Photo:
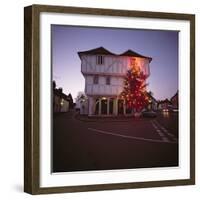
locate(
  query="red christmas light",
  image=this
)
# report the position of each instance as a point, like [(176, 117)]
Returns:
[(134, 91)]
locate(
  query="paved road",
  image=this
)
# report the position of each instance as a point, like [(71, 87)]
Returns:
[(114, 144)]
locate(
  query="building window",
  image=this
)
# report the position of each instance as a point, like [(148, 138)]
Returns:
[(100, 60), (96, 80), (108, 80)]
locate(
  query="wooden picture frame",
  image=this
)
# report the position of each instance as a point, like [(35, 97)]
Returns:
[(32, 97)]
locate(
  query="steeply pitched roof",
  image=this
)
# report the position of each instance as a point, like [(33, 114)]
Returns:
[(99, 50), (103, 51), (150, 96), (165, 101), (174, 95), (59, 93), (134, 54)]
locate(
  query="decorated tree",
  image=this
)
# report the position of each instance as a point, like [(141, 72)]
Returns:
[(134, 92)]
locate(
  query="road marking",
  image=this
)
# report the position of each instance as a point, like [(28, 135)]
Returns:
[(160, 133), (130, 137), (165, 130)]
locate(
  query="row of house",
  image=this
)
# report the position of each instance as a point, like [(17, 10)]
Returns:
[(61, 101), (163, 104)]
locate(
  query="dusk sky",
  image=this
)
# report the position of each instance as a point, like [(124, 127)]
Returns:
[(162, 46)]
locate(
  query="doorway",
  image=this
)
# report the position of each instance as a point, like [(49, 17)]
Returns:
[(104, 106)]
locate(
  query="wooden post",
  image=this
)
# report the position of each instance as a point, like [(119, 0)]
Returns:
[(108, 106), (115, 104), (91, 103), (99, 106)]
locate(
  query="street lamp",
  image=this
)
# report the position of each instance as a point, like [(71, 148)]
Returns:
[(62, 102)]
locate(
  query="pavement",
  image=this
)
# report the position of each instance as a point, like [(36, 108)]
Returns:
[(118, 143)]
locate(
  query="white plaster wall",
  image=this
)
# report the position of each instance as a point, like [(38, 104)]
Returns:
[(112, 64), (115, 87)]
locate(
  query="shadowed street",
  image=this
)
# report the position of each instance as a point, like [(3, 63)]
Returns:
[(104, 144)]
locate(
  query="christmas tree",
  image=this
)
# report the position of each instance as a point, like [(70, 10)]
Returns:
[(134, 92)]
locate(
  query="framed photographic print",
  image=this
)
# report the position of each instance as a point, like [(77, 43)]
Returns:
[(109, 99)]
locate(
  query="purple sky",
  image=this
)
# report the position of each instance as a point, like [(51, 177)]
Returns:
[(162, 46)]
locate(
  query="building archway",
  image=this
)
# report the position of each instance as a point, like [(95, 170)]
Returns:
[(120, 107), (104, 105), (111, 104)]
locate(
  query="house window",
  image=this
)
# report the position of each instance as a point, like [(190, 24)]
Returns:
[(100, 60), (96, 80), (108, 80)]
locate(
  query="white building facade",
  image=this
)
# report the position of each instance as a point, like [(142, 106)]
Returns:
[(104, 74)]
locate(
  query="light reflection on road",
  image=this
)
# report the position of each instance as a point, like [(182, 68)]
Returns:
[(165, 114)]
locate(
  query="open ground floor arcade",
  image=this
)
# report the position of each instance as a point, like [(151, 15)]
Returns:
[(107, 106)]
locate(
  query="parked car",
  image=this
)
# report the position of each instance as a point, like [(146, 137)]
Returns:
[(149, 113), (165, 110), (170, 109), (175, 110)]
